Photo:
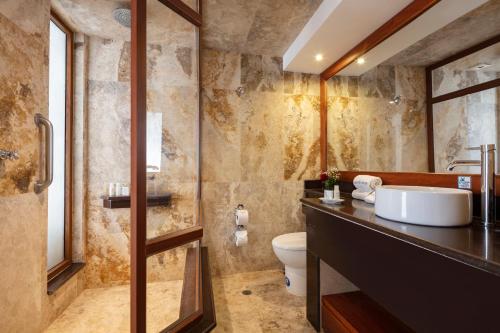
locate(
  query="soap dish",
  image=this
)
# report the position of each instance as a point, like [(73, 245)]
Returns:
[(331, 201)]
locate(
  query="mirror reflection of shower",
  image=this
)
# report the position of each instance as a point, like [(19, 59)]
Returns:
[(396, 100), (240, 91), (123, 15)]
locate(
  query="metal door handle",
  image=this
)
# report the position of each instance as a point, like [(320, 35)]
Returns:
[(48, 176)]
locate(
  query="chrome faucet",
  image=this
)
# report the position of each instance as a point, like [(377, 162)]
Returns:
[(487, 164)]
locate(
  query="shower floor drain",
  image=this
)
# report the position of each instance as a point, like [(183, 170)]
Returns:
[(246, 292)]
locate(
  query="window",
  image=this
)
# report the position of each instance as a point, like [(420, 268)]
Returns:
[(60, 115)]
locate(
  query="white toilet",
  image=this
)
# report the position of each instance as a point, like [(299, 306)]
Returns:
[(291, 251)]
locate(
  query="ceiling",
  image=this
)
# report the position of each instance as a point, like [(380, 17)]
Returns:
[(336, 27), (407, 41), (476, 26), (259, 27)]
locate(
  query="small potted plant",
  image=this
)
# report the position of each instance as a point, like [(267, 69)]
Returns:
[(331, 179)]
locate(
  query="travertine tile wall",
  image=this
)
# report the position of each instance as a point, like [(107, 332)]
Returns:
[(257, 149), (365, 132), (24, 305)]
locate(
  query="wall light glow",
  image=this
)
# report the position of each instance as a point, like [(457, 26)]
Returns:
[(318, 57), (360, 61)]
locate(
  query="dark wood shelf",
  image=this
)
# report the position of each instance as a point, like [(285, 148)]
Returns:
[(355, 312), (124, 202)]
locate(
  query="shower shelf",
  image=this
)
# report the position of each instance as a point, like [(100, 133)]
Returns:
[(124, 201)]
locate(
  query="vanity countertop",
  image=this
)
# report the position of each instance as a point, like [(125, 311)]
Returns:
[(472, 245)]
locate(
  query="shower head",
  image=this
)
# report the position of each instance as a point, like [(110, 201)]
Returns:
[(123, 16)]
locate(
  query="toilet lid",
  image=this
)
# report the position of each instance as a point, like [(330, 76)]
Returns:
[(294, 242)]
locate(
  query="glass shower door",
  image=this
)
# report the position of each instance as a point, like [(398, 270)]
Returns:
[(166, 275)]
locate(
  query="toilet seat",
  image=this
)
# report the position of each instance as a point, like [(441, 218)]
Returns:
[(295, 241)]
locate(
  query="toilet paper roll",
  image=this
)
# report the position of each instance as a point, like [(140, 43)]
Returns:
[(241, 217), (241, 237)]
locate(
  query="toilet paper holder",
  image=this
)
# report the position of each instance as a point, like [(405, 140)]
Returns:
[(239, 207)]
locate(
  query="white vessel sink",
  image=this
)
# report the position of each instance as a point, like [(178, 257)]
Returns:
[(433, 206)]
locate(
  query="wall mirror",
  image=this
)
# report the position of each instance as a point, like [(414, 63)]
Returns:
[(419, 99), (154, 141)]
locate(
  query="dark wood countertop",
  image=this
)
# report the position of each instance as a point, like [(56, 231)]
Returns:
[(472, 245)]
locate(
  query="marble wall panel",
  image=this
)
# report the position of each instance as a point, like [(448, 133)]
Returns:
[(23, 76), (257, 149)]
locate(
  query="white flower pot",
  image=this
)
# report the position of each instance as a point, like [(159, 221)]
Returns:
[(328, 194)]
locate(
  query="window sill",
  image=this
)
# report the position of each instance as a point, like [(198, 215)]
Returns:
[(62, 278)]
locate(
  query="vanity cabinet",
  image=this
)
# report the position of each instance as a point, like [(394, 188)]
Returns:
[(432, 279)]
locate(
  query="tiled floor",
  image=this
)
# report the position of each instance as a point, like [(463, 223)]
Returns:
[(107, 310), (269, 308)]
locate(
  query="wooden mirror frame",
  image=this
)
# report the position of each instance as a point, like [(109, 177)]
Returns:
[(396, 23)]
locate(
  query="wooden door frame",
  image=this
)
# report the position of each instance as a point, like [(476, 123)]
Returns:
[(141, 247), (389, 28)]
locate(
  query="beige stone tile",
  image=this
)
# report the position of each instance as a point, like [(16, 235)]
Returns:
[(221, 70), (261, 139), (270, 308), (107, 310), (221, 135), (301, 154)]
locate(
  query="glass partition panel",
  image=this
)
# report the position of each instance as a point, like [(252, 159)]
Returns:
[(172, 106), (171, 286)]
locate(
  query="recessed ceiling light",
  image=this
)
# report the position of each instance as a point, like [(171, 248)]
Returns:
[(360, 61), (318, 57)]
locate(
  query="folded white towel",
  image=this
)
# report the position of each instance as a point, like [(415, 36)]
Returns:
[(366, 183), (357, 194), (370, 198)]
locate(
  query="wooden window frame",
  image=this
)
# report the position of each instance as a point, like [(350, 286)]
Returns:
[(68, 174), (431, 100)]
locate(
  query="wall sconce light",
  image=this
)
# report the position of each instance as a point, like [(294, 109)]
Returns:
[(360, 61)]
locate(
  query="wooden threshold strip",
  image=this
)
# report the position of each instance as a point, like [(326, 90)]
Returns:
[(173, 239)]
